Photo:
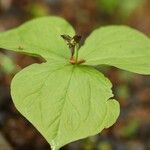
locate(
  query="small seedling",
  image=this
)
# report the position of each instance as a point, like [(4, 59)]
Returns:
[(66, 98)]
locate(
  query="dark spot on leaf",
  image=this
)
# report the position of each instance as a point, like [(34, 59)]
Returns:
[(20, 48)]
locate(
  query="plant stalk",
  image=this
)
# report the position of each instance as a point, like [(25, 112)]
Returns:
[(76, 54)]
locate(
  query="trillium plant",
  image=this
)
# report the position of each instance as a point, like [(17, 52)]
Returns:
[(66, 98)]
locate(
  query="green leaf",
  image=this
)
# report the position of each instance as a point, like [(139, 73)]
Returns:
[(41, 37), (64, 102), (118, 46)]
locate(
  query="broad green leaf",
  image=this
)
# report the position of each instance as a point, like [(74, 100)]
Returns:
[(41, 37), (118, 46), (64, 102)]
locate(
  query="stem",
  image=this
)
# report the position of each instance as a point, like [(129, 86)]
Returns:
[(76, 54), (54, 148)]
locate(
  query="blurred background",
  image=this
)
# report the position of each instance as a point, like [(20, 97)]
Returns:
[(132, 130)]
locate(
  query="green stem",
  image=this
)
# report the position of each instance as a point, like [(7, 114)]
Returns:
[(76, 54), (53, 148)]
